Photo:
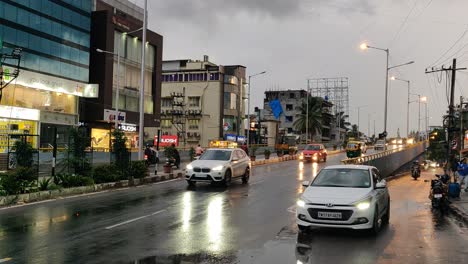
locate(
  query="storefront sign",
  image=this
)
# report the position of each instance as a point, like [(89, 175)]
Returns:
[(19, 113), (128, 127), (232, 137), (55, 84), (167, 140), (110, 116)]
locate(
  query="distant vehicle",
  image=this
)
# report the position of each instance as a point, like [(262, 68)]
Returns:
[(344, 196), (353, 149), (219, 165), (379, 145), (314, 152)]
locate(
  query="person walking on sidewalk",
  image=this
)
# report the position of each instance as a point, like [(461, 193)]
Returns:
[(463, 174)]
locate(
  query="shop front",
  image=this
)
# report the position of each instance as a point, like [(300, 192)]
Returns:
[(16, 122), (131, 133)]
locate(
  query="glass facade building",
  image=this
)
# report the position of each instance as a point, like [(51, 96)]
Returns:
[(54, 35)]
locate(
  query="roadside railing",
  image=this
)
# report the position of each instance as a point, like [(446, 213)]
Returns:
[(364, 159)]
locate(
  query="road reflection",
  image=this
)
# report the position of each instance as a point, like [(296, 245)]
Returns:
[(214, 223), (186, 211), (314, 169)]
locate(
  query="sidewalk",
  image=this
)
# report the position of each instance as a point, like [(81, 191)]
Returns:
[(459, 207)]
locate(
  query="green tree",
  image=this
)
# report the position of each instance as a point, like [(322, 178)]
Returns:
[(77, 157), (437, 149), (120, 150), (314, 115), (24, 153), (342, 118)]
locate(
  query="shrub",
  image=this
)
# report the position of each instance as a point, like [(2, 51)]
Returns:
[(8, 183), (44, 184), (68, 180), (24, 153), (119, 150), (137, 169), (266, 152), (107, 173)]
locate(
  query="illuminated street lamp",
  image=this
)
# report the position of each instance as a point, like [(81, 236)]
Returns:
[(364, 46)]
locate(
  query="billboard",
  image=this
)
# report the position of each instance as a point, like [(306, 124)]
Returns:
[(167, 140)]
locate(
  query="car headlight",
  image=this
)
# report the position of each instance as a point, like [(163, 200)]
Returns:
[(300, 203), (363, 205), (218, 168), (189, 167)]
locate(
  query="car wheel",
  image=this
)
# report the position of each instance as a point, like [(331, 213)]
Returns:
[(227, 178), (246, 176), (191, 183), (377, 222), (386, 219), (303, 228)]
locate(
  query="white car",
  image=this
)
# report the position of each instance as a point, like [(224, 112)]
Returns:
[(344, 196), (379, 145), (219, 165)]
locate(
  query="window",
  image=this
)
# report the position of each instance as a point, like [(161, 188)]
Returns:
[(289, 119), (194, 101), (289, 107), (292, 95), (230, 101), (166, 102), (375, 177), (214, 76), (166, 123), (193, 123), (290, 130)]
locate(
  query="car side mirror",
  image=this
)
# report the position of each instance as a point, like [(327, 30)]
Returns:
[(381, 184), (306, 183)]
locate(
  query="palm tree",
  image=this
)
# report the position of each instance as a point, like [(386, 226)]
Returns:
[(315, 116), (342, 118)]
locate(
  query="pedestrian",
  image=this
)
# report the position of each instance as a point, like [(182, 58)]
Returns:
[(198, 150), (454, 167), (462, 173), (176, 156)]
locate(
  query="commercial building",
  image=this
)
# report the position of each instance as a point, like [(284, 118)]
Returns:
[(115, 30), (202, 101), (54, 37), (290, 101)]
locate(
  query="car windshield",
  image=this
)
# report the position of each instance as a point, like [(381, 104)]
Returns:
[(352, 145), (351, 178), (312, 147), (216, 154)]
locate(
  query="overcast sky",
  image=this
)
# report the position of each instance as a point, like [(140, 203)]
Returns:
[(298, 39)]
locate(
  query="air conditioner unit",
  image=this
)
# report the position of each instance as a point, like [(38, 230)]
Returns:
[(197, 134), (189, 134)]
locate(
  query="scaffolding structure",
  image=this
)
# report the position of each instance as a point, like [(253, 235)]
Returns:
[(334, 90)]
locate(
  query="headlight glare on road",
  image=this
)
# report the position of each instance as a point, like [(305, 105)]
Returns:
[(300, 203), (218, 168), (189, 167), (363, 205)]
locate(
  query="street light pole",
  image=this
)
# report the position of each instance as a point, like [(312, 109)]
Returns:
[(365, 46), (307, 112), (142, 86), (248, 107), (408, 105)]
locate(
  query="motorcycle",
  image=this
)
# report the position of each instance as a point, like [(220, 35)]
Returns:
[(439, 191), (172, 162), (415, 172)]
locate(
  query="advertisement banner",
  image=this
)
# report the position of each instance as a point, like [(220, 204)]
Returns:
[(167, 140), (110, 116)]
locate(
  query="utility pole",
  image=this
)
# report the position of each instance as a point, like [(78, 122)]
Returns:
[(450, 124), (462, 134)]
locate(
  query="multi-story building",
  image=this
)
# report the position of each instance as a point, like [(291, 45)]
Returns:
[(116, 32), (54, 68), (202, 101), (290, 101)]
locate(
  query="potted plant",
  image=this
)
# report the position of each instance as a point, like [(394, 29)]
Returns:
[(253, 149), (334, 147), (279, 152), (267, 153), (192, 154)]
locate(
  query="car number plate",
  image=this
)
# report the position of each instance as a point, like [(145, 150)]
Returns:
[(437, 195), (201, 176), (331, 215)]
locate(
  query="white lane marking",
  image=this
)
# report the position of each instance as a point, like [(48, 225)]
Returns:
[(292, 209), (134, 219)]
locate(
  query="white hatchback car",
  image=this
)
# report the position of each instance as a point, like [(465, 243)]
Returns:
[(219, 165), (345, 196)]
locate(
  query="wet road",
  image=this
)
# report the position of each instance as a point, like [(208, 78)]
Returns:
[(168, 223)]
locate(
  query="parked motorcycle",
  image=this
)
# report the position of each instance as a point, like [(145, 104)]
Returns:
[(439, 191), (172, 162)]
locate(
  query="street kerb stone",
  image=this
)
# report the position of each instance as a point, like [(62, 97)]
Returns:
[(34, 196), (162, 178), (459, 213)]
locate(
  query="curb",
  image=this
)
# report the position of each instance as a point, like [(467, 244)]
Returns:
[(30, 198)]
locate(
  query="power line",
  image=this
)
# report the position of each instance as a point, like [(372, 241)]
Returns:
[(402, 25), (451, 47)]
